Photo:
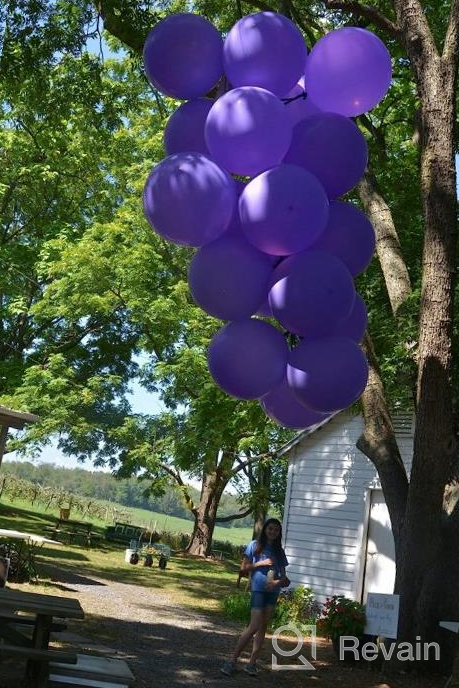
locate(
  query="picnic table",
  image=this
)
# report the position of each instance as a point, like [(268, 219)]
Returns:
[(22, 556), (72, 530), (21, 610)]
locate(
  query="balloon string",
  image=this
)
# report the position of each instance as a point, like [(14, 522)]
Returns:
[(302, 95)]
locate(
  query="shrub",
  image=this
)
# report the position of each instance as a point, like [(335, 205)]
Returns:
[(228, 548), (237, 606), (176, 541), (296, 606), (341, 616)]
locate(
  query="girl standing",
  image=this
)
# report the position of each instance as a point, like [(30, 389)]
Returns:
[(265, 560)]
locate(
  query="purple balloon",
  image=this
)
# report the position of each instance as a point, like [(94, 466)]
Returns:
[(188, 199), (248, 131), (229, 278), (185, 129), (332, 148), (264, 49), (354, 326), (283, 407), (247, 358), (349, 235), (283, 210), (301, 106), (327, 374), (311, 292), (183, 56), (348, 71)]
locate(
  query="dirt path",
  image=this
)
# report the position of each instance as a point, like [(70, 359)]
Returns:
[(170, 646)]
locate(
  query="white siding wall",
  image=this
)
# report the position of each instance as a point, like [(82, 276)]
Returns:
[(327, 502)]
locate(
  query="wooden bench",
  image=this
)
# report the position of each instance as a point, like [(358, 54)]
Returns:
[(91, 671), (72, 530), (33, 653), (28, 620)]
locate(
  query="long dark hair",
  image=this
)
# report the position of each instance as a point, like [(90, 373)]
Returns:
[(263, 539)]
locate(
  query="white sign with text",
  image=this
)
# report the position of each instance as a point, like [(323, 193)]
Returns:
[(382, 614)]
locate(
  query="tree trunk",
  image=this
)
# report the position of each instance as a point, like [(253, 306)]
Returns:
[(217, 473), (422, 543), (206, 513), (261, 505)]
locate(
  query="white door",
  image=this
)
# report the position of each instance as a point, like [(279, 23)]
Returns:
[(380, 554)]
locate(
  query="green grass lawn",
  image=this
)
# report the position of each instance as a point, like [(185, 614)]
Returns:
[(193, 581), (142, 517)]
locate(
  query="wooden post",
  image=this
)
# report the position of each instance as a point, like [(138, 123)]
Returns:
[(3, 436)]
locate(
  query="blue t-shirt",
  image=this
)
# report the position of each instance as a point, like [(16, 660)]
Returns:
[(258, 578)]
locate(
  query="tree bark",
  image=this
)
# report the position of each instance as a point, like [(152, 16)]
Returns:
[(393, 266), (201, 540)]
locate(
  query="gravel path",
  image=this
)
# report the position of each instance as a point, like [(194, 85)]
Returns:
[(172, 646), (166, 645)]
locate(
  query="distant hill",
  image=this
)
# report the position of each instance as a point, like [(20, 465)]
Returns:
[(130, 492)]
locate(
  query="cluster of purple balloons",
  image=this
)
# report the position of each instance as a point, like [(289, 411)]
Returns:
[(253, 179)]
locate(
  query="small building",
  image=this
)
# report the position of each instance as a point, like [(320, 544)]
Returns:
[(336, 529), (12, 419)]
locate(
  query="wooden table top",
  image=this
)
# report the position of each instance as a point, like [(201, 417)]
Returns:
[(29, 537), (48, 605)]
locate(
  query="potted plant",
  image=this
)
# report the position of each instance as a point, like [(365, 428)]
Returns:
[(342, 616)]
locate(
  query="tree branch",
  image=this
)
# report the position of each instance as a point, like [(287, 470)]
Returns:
[(450, 48), (379, 444), (234, 516), (178, 478), (130, 25), (388, 247), (416, 35), (253, 459), (372, 14)]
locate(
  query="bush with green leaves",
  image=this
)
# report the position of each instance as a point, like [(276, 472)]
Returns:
[(237, 606), (341, 616), (295, 606)]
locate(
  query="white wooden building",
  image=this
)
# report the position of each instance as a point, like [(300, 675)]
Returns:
[(336, 528)]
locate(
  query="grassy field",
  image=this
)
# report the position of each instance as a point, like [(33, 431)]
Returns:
[(193, 581), (142, 517)]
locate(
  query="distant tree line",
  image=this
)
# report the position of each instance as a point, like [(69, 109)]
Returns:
[(127, 491)]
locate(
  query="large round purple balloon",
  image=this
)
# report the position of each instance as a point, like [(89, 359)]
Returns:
[(352, 327), (355, 324), (229, 277), (248, 131), (332, 148), (283, 210), (264, 49), (327, 374), (348, 71), (298, 105), (283, 407), (247, 358), (311, 292), (348, 235), (185, 129), (183, 56), (188, 199)]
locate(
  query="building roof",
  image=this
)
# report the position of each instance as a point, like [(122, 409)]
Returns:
[(303, 434), (16, 419), (402, 421)]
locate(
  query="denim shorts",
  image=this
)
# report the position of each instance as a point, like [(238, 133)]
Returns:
[(259, 599)]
